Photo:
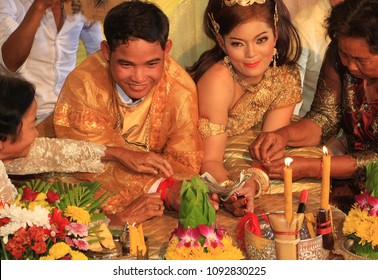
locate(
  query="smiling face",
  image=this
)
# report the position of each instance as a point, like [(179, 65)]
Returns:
[(27, 135), (136, 66), (356, 55), (250, 48)]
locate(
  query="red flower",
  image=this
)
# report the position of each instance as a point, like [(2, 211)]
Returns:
[(39, 247), (52, 196), (58, 223), (28, 194), (4, 221)]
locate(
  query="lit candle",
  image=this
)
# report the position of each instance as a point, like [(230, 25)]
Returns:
[(326, 178), (288, 190)]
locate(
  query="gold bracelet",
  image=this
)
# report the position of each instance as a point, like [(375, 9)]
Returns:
[(261, 178)]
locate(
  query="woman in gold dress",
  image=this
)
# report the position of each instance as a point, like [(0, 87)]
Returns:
[(247, 83), (345, 104)]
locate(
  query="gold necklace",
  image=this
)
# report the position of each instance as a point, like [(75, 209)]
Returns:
[(235, 77)]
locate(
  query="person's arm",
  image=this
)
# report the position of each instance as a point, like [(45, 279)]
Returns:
[(16, 48), (59, 155), (91, 35), (320, 123), (215, 98), (342, 167)]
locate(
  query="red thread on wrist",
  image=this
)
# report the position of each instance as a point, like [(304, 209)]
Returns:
[(163, 187), (261, 168)]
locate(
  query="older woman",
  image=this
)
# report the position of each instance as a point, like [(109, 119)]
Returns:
[(345, 103)]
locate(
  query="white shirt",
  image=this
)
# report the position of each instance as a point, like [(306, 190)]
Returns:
[(53, 55), (310, 23)]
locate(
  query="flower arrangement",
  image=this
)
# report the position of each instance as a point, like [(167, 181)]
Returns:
[(361, 224), (198, 236), (55, 221)]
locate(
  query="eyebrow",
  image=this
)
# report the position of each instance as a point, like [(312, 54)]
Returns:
[(258, 35), (146, 62)]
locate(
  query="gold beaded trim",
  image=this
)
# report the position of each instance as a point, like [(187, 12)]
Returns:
[(207, 129)]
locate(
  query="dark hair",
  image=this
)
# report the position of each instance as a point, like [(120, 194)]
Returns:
[(355, 18), (16, 96), (288, 43), (135, 19)]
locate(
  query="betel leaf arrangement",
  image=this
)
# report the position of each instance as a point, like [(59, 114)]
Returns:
[(198, 235), (361, 224)]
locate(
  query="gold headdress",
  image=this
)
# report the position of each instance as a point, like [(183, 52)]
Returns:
[(242, 2)]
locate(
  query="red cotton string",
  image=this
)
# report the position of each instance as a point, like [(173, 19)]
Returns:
[(162, 189)]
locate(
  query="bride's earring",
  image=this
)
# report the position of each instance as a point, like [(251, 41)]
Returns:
[(275, 57)]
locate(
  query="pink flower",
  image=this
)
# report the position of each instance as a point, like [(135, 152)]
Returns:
[(362, 201), (373, 202), (211, 237), (188, 237), (69, 241), (77, 229), (81, 244)]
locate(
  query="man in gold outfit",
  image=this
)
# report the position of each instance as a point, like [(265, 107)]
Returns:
[(133, 95)]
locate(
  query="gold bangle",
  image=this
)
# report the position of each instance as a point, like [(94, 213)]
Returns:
[(261, 178)]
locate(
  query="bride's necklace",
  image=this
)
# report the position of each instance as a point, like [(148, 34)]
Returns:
[(235, 77)]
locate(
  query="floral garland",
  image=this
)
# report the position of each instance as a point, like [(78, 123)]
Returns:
[(51, 221)]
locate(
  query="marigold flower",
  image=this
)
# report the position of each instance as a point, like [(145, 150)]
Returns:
[(76, 255), (78, 214), (59, 250)]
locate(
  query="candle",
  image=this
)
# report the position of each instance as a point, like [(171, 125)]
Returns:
[(326, 178), (288, 190)]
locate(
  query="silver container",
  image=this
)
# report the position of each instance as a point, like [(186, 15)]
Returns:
[(263, 247)]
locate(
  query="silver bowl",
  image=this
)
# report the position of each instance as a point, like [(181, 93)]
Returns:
[(263, 247), (344, 248)]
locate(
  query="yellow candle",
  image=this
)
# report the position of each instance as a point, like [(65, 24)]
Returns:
[(326, 178), (288, 190), (134, 238)]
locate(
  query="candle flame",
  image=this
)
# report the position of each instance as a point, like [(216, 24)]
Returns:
[(288, 161), (325, 151)]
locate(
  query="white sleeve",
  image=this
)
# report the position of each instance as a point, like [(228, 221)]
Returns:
[(7, 190), (59, 155), (91, 35)]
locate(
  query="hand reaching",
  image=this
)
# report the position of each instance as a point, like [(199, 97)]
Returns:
[(268, 146), (142, 162), (301, 167), (141, 209), (242, 202)]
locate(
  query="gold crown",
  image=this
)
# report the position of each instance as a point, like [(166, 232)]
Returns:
[(242, 2)]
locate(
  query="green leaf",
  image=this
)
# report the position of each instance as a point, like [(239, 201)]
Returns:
[(371, 184), (195, 207)]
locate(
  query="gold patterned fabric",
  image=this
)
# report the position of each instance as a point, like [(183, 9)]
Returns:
[(345, 106), (280, 87), (88, 109)]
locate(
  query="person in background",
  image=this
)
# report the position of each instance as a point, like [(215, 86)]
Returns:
[(39, 41), (134, 96), (310, 23), (248, 81), (345, 103)]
